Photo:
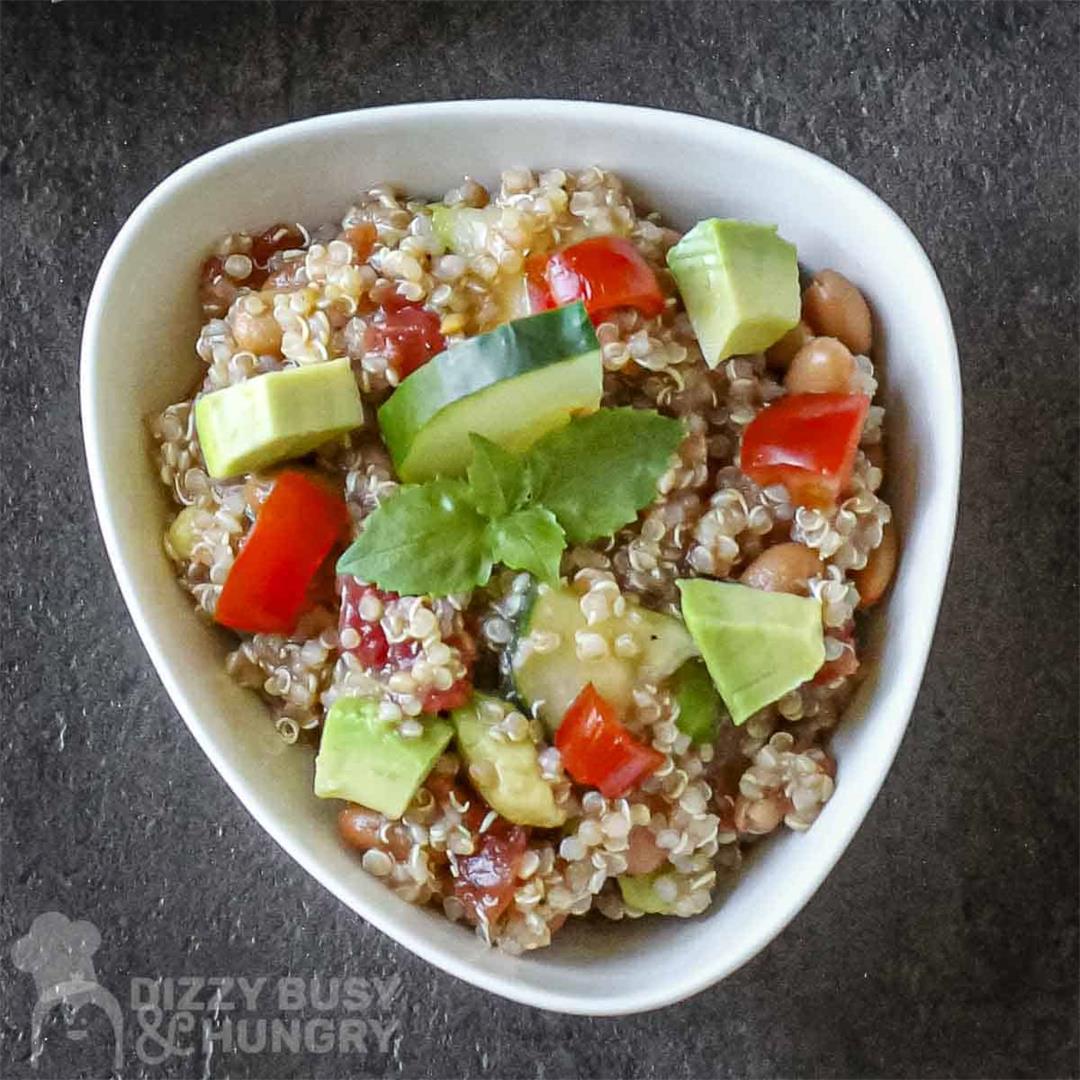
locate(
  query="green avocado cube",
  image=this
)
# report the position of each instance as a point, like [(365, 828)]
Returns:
[(740, 285), (507, 774), (276, 416), (757, 645), (364, 759)]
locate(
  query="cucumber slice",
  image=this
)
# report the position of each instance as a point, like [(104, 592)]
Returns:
[(512, 385), (548, 674), (463, 229), (507, 774)]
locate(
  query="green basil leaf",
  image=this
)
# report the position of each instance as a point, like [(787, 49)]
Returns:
[(425, 540), (529, 539), (596, 473), (499, 480)]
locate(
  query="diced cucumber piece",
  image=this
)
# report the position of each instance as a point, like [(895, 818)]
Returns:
[(512, 385), (507, 774), (740, 284), (637, 647), (463, 229), (639, 891), (757, 645), (364, 759), (276, 416)]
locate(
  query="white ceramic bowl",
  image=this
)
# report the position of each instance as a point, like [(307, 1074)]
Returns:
[(138, 356)]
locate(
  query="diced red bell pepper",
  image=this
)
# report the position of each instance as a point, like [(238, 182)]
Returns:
[(807, 442), (605, 272), (598, 751), (298, 525), (486, 880), (409, 336)]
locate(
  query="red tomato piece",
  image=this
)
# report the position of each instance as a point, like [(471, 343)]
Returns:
[(486, 879), (807, 442), (598, 751), (280, 237), (298, 525), (460, 692), (362, 239), (216, 289), (383, 657), (536, 286), (605, 272), (373, 649), (409, 336)]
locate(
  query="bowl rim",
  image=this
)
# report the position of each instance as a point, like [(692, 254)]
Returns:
[(622, 1001)]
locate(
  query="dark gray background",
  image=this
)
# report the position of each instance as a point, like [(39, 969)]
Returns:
[(945, 943)]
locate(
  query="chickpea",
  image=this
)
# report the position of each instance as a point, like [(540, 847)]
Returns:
[(835, 308), (873, 579), (783, 568), (758, 817), (783, 352), (822, 366), (253, 325)]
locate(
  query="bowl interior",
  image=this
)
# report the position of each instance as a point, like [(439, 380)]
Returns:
[(139, 356)]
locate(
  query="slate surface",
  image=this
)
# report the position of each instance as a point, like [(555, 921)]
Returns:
[(945, 943)]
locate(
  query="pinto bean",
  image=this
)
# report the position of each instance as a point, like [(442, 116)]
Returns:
[(873, 579), (835, 308), (361, 828)]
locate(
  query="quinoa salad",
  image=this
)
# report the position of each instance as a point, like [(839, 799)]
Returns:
[(549, 529)]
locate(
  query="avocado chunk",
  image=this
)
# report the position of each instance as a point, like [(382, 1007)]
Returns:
[(740, 284), (511, 385), (507, 774), (757, 645), (699, 703), (639, 646), (639, 891), (364, 759), (276, 416)]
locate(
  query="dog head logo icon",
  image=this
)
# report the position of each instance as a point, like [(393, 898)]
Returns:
[(58, 954)]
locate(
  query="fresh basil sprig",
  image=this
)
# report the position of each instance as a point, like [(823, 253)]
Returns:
[(576, 484)]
